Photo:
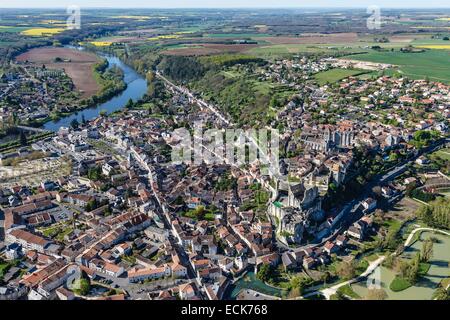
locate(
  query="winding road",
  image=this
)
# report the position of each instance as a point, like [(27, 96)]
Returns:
[(411, 235), (328, 292)]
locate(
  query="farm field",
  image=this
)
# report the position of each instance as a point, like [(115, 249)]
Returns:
[(288, 49), (206, 49), (342, 38), (12, 29), (79, 68), (38, 32), (435, 46), (431, 63), (235, 35)]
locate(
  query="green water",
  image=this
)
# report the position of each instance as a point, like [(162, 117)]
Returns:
[(425, 287), (249, 281)]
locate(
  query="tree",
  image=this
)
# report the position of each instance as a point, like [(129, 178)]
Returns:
[(264, 272), (441, 294), (346, 270), (338, 296), (83, 286), (427, 250), (401, 267), (74, 124), (376, 294), (91, 205), (326, 276), (129, 104), (377, 191), (199, 212), (413, 270), (294, 293), (23, 138), (378, 216)]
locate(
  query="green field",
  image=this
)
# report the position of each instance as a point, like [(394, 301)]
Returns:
[(335, 75), (13, 29), (287, 49), (235, 35), (444, 154), (432, 63)]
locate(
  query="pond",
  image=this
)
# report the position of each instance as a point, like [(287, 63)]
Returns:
[(425, 287), (249, 281)]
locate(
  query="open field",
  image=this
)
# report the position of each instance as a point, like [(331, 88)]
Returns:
[(39, 32), (119, 39), (335, 75), (343, 38), (208, 48), (235, 35), (101, 43), (79, 68), (435, 46), (431, 63), (33, 172), (12, 29), (444, 154)]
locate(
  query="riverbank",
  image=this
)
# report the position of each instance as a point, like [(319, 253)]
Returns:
[(136, 87), (109, 82)]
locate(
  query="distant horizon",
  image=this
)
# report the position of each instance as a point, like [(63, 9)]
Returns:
[(226, 8), (249, 7), (229, 4)]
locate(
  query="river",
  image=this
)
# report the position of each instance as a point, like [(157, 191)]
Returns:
[(136, 88)]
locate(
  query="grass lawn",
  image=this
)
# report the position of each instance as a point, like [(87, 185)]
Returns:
[(372, 257), (335, 75), (446, 282), (444, 154), (399, 284), (57, 232), (362, 266), (4, 268), (348, 291), (423, 268)]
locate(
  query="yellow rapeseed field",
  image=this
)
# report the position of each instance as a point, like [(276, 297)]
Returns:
[(52, 21), (101, 43), (170, 36), (42, 31), (132, 17), (435, 46)]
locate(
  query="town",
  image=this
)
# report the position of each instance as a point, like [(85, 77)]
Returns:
[(96, 209)]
